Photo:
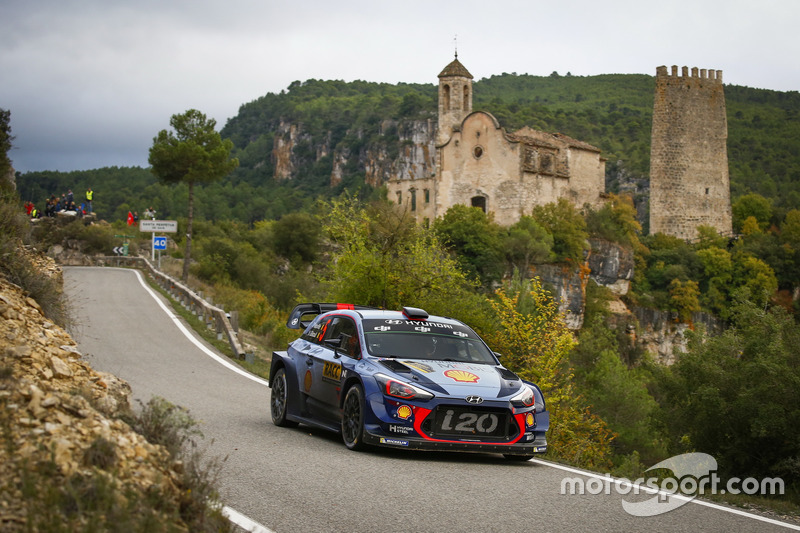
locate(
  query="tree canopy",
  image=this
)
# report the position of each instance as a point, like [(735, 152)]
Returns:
[(194, 152)]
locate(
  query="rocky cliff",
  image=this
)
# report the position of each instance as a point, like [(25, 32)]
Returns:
[(60, 425), (608, 264), (401, 149), (612, 266)]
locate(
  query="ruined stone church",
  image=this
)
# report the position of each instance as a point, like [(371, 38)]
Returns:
[(478, 163)]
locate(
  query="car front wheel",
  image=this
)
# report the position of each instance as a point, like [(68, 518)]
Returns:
[(279, 400), (353, 418)]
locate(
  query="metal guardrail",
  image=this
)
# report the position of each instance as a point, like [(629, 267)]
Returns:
[(213, 317)]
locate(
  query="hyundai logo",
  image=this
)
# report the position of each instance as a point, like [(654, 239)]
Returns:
[(474, 399)]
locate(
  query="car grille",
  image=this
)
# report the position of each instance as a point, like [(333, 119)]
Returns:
[(450, 422)]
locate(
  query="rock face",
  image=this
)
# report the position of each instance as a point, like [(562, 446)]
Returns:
[(54, 409), (660, 335), (607, 264), (569, 290), (611, 265), (403, 150)]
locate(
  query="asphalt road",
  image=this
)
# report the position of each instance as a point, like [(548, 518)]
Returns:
[(304, 480)]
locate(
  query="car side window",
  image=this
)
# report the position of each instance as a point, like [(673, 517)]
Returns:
[(345, 329), (316, 331)]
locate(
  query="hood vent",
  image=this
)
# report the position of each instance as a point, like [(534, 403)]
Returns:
[(507, 374), (395, 366)]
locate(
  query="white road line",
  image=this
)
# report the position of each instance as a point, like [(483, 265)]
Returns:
[(244, 522), (261, 529), (176, 319), (233, 515)]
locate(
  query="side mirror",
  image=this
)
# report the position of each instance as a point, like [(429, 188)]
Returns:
[(497, 355), (335, 344)]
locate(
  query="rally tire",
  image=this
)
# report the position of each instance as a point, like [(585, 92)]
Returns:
[(279, 400), (353, 409)]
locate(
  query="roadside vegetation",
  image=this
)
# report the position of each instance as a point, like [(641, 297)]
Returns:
[(614, 408)]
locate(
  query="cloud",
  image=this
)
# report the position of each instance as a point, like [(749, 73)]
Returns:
[(89, 83)]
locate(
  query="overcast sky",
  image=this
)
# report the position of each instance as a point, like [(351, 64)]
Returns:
[(90, 83)]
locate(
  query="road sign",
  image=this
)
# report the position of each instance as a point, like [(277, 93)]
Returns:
[(159, 243), (161, 226), (121, 250)]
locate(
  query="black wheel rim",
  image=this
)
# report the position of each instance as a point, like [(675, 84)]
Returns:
[(351, 417), (279, 396)]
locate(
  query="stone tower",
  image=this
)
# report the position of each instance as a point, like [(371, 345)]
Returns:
[(689, 180), (455, 98)]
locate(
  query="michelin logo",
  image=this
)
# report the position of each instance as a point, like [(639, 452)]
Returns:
[(394, 442)]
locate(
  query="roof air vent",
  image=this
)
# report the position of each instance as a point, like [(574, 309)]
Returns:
[(412, 313)]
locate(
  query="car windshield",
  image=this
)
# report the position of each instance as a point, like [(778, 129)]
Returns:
[(425, 340)]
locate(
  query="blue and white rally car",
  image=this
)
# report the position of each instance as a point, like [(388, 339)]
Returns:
[(403, 379)]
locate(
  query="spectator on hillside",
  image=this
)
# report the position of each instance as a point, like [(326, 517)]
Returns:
[(70, 197), (89, 198)]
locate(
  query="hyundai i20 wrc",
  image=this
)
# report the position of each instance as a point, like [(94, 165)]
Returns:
[(403, 379)]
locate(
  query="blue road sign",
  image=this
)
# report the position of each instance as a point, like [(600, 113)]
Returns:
[(159, 243)]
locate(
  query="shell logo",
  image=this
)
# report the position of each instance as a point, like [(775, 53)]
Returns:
[(462, 376), (404, 412), (529, 420)]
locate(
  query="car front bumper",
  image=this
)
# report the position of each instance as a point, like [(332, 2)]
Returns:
[(536, 447)]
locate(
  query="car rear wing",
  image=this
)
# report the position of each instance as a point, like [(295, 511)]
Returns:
[(303, 314)]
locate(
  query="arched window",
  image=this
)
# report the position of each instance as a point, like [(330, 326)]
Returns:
[(446, 97), (479, 202), (466, 98)]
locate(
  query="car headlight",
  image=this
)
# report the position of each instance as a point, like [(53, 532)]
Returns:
[(524, 398), (401, 389)]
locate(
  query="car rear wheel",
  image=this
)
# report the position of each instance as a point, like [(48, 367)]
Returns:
[(279, 400), (353, 418), (511, 457)]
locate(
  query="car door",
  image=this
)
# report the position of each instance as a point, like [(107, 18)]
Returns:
[(339, 345)]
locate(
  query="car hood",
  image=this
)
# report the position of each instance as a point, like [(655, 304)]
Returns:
[(458, 379)]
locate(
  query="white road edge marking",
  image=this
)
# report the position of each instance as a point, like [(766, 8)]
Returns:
[(233, 515), (261, 529), (242, 521), (651, 490), (194, 340)]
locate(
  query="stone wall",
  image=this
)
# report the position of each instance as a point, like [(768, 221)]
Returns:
[(689, 180)]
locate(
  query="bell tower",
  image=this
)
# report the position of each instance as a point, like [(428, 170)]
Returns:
[(455, 98)]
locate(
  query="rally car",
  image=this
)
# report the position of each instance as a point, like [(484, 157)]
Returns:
[(403, 379)]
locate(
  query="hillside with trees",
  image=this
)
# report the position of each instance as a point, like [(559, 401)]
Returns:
[(612, 112)]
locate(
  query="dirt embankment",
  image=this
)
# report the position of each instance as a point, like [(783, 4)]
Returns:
[(58, 416)]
